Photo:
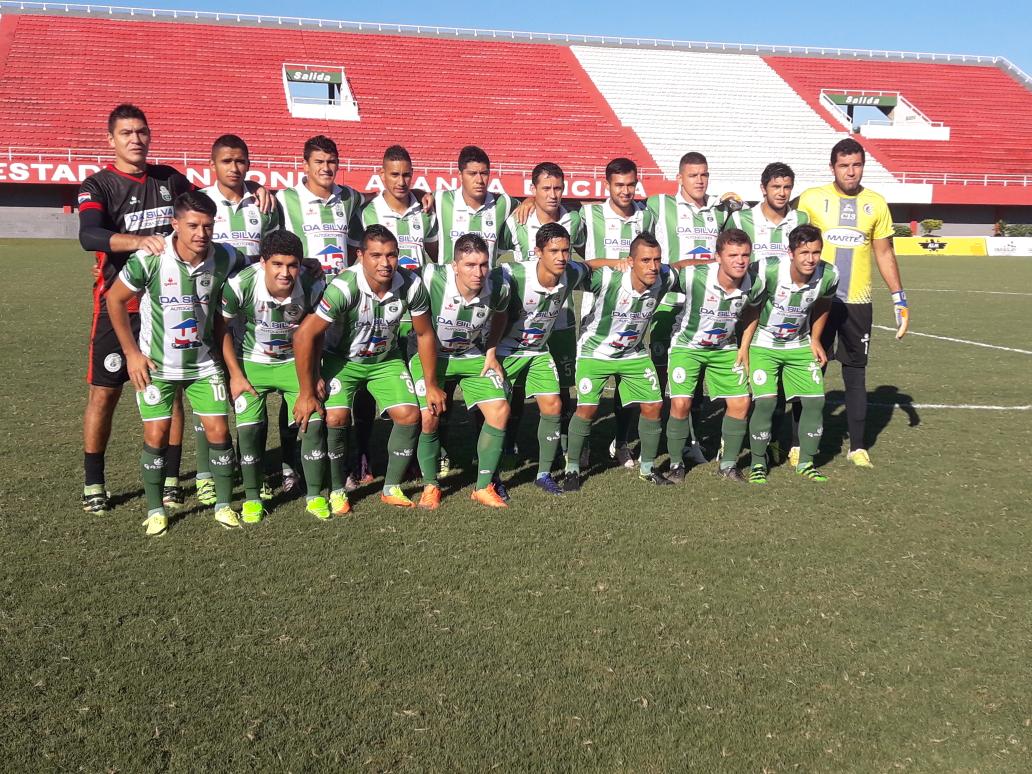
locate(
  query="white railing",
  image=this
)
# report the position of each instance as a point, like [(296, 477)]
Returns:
[(85, 9), (963, 178), (826, 94)]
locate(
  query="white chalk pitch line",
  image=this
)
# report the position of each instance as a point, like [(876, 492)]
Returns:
[(958, 341)]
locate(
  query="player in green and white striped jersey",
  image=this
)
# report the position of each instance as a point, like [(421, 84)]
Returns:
[(177, 290), (267, 301), (472, 209), (771, 220), (783, 336), (612, 344), (361, 310), (704, 342), (239, 220), (467, 308), (318, 210)]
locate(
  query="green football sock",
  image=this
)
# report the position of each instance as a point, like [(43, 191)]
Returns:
[(401, 444), (427, 452), (337, 452), (549, 426), (313, 457), (678, 431), (489, 452), (811, 428), (580, 430), (251, 452), (288, 434), (152, 465), (649, 431), (220, 460), (732, 431), (759, 429), (203, 469)]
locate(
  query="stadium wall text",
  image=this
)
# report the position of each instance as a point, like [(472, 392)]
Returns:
[(936, 245)]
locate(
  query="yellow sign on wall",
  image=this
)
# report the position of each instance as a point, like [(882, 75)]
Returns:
[(936, 245)]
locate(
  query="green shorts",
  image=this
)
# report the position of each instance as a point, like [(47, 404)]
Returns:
[(661, 332), (207, 397), (800, 374), (637, 380), (562, 345), (466, 372), (388, 381), (266, 378), (686, 366), (538, 373)]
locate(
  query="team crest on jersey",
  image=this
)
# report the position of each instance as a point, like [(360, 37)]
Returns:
[(339, 211), (152, 395), (204, 280), (292, 312), (648, 304), (113, 362), (394, 308), (868, 209), (253, 220), (165, 194)]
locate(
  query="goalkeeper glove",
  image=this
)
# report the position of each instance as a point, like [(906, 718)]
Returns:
[(899, 306)]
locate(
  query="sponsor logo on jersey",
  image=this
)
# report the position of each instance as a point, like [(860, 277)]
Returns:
[(408, 262), (712, 337), (155, 217), (843, 236), (185, 336), (276, 347), (625, 338), (531, 336), (458, 340), (375, 345), (785, 330), (332, 258)]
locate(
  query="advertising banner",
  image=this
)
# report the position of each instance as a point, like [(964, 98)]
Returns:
[(1009, 246), (937, 245)]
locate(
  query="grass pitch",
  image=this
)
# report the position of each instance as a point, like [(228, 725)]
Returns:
[(880, 622)]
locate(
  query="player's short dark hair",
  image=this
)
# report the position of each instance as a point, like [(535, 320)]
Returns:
[(396, 153), (776, 169), (548, 232), (733, 236), (620, 166), (122, 112), (281, 243), (320, 143), (800, 235), (468, 244), (646, 238), (847, 147), (691, 157), (546, 169), (471, 154), (376, 233), (194, 201), (231, 141)]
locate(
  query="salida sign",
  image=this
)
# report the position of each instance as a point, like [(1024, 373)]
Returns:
[(583, 187)]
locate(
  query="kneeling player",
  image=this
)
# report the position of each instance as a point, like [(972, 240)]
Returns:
[(366, 303), (268, 300), (177, 289), (612, 344), (704, 340), (467, 308), (793, 298)]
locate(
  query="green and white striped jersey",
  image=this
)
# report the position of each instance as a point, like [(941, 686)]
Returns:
[(607, 234), (365, 326), (709, 315), (785, 306), (322, 224), (615, 326), (176, 327), (265, 325), (455, 218), (241, 224), (462, 326), (414, 229), (533, 308), (683, 230), (770, 240)]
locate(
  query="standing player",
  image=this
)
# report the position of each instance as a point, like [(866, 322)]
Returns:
[(686, 225), (472, 209), (178, 286), (365, 304), (268, 301), (540, 291), (609, 229), (467, 309), (547, 181), (771, 220), (612, 344), (123, 208), (792, 300), (855, 222), (704, 340)]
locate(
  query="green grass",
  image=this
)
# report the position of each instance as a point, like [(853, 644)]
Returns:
[(880, 622)]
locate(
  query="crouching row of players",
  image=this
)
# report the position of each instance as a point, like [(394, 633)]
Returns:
[(276, 328)]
